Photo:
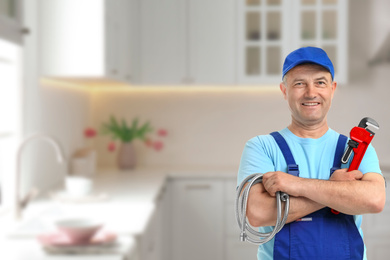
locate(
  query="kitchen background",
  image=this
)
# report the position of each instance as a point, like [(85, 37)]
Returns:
[(208, 124), (208, 121)]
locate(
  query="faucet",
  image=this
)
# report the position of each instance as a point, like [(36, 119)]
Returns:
[(21, 203)]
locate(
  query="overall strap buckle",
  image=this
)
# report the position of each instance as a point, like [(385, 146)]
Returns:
[(293, 169)]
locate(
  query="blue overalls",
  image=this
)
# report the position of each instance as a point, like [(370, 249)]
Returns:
[(323, 234)]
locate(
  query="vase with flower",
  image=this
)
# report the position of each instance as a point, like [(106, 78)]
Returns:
[(126, 134)]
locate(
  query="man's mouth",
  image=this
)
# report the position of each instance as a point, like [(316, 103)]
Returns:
[(310, 103)]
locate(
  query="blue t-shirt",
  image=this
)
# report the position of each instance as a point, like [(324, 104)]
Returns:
[(314, 157)]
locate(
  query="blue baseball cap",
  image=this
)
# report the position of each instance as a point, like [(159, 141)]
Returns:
[(308, 55)]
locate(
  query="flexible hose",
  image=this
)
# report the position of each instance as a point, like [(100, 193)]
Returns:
[(241, 205)]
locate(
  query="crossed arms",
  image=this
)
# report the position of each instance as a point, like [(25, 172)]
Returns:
[(348, 192)]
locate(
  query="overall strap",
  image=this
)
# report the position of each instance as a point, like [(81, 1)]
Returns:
[(339, 153), (283, 146)]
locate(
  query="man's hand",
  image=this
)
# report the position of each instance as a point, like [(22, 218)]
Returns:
[(281, 181), (344, 175)]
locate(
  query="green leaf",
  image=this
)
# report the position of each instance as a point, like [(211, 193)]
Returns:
[(121, 130)]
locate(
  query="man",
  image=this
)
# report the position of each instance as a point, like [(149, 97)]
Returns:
[(314, 230)]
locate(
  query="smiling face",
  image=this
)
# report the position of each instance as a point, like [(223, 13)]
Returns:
[(308, 89)]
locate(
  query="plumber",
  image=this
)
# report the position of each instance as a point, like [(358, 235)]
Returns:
[(324, 220)]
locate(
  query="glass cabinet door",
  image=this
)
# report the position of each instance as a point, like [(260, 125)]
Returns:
[(319, 26), (263, 38), (270, 29)]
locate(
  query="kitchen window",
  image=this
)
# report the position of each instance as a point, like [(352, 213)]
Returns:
[(10, 95), (10, 82)]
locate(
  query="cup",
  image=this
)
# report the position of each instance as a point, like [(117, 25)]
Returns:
[(78, 186)]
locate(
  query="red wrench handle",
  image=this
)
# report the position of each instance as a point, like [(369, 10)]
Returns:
[(363, 137)]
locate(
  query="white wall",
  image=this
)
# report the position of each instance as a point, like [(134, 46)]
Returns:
[(210, 127)]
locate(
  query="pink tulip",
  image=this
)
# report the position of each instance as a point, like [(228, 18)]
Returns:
[(162, 132), (158, 145), (111, 146), (89, 132)]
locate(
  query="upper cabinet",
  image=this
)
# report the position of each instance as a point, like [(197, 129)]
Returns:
[(270, 29), (86, 40), (11, 21), (188, 42)]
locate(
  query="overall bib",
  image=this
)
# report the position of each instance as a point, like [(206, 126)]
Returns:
[(322, 234)]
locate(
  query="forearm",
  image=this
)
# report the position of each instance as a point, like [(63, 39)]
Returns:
[(350, 197), (261, 209)]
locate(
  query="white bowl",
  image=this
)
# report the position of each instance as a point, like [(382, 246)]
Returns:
[(79, 230)]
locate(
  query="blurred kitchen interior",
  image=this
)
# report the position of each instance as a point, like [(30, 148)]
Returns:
[(207, 123)]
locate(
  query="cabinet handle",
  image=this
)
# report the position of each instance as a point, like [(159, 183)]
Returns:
[(25, 30), (198, 187)]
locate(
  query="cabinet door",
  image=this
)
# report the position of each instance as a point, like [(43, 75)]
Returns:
[(160, 45), (268, 30), (376, 231), (114, 37), (197, 222), (210, 41), (323, 23), (84, 40), (234, 248)]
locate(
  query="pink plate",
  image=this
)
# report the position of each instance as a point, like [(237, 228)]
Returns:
[(59, 239)]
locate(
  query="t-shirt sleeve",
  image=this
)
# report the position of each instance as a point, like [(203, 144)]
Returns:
[(255, 159), (370, 161)]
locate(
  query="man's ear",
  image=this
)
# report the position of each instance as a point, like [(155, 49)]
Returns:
[(283, 89), (334, 86)]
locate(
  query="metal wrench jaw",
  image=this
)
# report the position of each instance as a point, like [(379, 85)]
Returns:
[(364, 123), (367, 121)]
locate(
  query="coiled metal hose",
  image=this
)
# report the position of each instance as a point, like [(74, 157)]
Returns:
[(241, 205)]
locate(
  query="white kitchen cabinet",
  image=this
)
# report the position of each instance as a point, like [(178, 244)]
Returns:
[(148, 241), (188, 42), (210, 41), (154, 243), (376, 231), (160, 42), (11, 21), (197, 219), (270, 29), (86, 40), (234, 248)]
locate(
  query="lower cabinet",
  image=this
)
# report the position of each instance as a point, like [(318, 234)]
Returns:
[(203, 221), (197, 219), (234, 248), (154, 243), (376, 231)]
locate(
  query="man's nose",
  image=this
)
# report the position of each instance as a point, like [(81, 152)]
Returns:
[(311, 91)]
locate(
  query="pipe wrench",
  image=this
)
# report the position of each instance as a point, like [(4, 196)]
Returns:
[(360, 138)]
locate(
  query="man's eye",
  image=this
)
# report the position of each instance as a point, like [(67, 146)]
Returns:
[(321, 84)]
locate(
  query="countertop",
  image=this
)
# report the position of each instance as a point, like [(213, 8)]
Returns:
[(129, 204)]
